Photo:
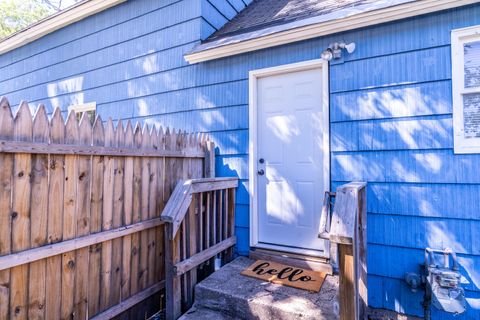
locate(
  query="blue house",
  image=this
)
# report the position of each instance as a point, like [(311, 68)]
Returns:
[(300, 97)]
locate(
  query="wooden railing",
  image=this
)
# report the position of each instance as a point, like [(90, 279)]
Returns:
[(200, 220)]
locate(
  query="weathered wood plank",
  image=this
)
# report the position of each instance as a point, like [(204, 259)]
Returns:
[(39, 210), (159, 234), (117, 219), (213, 184), (210, 159), (7, 146), (21, 213), (50, 250), (127, 214), (197, 259), (130, 302), (82, 215), (144, 211), (107, 218), (173, 293), (98, 139), (55, 219), (69, 218), (137, 200), (346, 282), (6, 181), (152, 208)]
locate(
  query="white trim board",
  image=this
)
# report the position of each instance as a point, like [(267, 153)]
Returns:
[(57, 21), (254, 75), (458, 38), (317, 27)]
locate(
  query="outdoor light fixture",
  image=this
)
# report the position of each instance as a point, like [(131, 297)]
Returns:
[(334, 50)]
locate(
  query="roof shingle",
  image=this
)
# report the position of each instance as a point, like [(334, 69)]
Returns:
[(261, 14)]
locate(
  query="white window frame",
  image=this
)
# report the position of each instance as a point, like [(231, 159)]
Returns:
[(459, 37), (81, 108)]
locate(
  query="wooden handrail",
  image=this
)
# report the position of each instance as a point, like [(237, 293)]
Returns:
[(181, 198), (200, 225)]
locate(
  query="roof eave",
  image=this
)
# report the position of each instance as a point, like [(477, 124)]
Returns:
[(315, 30), (55, 22)]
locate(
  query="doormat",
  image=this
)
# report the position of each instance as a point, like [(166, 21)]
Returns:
[(286, 275)]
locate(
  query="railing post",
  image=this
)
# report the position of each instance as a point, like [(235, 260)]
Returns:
[(172, 286), (347, 231), (210, 160)]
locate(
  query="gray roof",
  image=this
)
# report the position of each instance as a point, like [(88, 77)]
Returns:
[(262, 14), (263, 18)]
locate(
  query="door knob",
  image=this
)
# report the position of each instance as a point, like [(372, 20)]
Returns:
[(261, 172), (261, 160)]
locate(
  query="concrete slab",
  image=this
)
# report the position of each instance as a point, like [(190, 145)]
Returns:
[(243, 297), (205, 314)]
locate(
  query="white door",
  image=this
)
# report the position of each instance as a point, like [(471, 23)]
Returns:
[(291, 160)]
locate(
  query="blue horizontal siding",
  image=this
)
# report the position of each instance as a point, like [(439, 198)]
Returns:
[(422, 99), (424, 65), (395, 260), (238, 5), (422, 232), (427, 166), (232, 166), (96, 23), (224, 7), (137, 30), (212, 15), (450, 201), (394, 294), (91, 71), (433, 132)]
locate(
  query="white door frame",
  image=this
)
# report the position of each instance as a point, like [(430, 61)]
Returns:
[(254, 75)]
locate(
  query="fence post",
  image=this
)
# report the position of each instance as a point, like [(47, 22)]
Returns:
[(349, 232), (210, 160)]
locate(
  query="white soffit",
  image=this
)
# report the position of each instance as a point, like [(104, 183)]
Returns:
[(55, 22)]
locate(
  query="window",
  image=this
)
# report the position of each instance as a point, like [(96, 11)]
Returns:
[(88, 108), (466, 89)]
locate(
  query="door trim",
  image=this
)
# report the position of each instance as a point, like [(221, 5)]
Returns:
[(254, 75)]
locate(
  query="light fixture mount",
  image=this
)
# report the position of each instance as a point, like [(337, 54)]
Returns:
[(334, 50)]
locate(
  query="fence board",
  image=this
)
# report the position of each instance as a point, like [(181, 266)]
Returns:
[(69, 219), (39, 210), (152, 207), (107, 218), (21, 213), (137, 200), (117, 216), (127, 212), (55, 219), (96, 208), (144, 210), (82, 213), (6, 181)]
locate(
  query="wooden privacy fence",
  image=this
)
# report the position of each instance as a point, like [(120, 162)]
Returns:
[(80, 228)]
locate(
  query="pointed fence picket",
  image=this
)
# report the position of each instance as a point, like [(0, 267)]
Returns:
[(80, 204)]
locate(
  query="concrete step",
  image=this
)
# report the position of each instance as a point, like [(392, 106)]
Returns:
[(239, 297), (205, 314)]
